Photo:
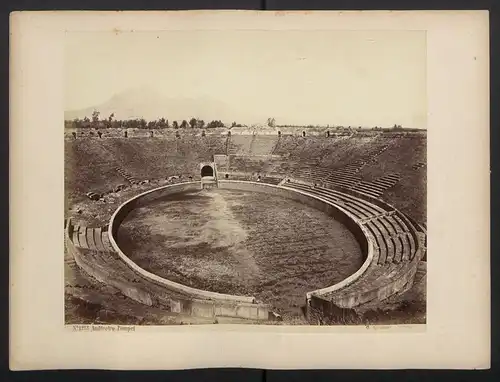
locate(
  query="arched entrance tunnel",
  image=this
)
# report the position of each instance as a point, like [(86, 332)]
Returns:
[(207, 171)]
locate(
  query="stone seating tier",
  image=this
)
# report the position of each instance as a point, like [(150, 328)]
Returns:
[(391, 233)]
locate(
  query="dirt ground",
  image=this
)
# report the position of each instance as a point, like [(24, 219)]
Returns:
[(241, 243)]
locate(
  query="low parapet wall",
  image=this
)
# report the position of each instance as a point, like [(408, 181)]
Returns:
[(129, 290), (398, 279), (330, 209), (212, 304), (145, 198), (151, 294), (397, 283)]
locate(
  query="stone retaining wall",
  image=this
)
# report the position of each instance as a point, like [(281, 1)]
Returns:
[(152, 294), (143, 199), (400, 282), (198, 302), (211, 304), (129, 290)]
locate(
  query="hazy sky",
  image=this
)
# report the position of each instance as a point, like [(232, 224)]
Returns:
[(298, 77)]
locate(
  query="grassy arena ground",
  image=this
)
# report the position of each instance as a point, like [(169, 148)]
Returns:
[(241, 243)]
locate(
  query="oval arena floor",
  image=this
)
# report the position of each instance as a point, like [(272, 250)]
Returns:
[(240, 242)]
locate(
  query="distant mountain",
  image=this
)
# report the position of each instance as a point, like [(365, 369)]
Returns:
[(150, 105)]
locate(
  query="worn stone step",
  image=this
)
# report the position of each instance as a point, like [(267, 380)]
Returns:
[(90, 238), (399, 249), (98, 239), (373, 186), (82, 238), (106, 242), (379, 241), (76, 233), (384, 182), (368, 191)]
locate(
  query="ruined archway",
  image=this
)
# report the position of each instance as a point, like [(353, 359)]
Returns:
[(207, 171)]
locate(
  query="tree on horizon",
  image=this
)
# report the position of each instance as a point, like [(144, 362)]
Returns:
[(193, 122), (95, 119), (215, 124)]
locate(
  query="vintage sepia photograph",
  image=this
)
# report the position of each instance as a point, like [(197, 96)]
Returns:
[(255, 177)]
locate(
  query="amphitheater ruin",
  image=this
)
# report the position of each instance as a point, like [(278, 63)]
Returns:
[(372, 182)]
